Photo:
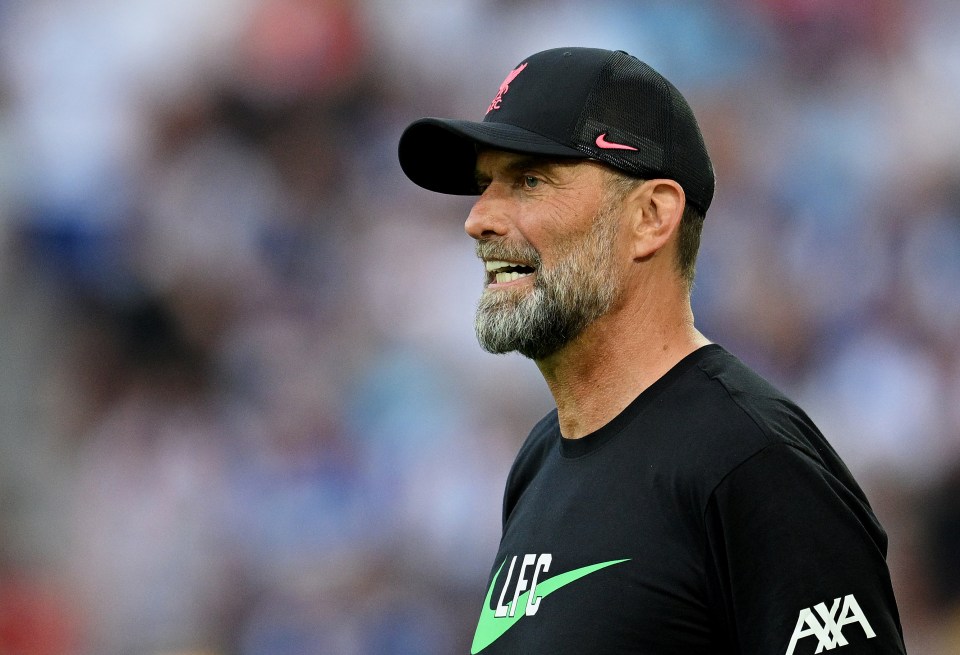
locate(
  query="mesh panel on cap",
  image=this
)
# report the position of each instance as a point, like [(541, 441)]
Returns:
[(634, 105)]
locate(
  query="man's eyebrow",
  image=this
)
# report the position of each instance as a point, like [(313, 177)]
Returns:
[(530, 161), (520, 164)]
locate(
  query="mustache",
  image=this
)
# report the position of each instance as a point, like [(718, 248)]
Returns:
[(522, 253)]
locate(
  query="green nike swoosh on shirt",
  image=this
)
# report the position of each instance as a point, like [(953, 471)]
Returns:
[(490, 627)]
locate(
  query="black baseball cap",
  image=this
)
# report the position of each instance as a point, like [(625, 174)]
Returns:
[(584, 103)]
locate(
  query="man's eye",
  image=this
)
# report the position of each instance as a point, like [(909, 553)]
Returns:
[(531, 182)]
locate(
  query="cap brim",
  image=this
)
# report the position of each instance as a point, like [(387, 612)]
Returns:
[(440, 154)]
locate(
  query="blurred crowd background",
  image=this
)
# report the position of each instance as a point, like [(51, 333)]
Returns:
[(242, 410)]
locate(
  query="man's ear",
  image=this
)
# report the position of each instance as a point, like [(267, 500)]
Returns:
[(655, 208)]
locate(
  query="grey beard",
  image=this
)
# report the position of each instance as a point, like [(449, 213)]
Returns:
[(538, 324), (565, 299)]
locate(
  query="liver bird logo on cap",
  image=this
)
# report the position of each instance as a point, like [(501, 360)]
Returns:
[(505, 86)]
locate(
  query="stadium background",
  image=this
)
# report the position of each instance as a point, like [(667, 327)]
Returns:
[(242, 407)]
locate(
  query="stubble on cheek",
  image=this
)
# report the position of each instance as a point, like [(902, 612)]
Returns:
[(566, 296)]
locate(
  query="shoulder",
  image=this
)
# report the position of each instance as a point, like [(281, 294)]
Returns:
[(731, 401), (721, 413)]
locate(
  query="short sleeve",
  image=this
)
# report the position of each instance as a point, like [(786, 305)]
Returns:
[(797, 560)]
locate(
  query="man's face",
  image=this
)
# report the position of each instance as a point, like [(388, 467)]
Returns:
[(547, 233)]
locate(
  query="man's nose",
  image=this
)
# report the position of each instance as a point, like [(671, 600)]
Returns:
[(488, 217)]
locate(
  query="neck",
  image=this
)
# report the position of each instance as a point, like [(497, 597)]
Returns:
[(595, 376)]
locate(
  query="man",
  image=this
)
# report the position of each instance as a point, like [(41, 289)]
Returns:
[(674, 502)]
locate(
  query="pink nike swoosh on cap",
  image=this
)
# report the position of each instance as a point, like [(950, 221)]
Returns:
[(607, 145)]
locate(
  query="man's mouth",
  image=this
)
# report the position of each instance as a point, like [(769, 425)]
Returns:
[(501, 272)]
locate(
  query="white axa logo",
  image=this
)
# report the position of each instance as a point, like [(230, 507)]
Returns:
[(830, 632)]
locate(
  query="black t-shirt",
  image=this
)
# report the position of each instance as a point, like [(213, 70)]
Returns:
[(710, 516)]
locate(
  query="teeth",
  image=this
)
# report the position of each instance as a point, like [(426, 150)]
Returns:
[(493, 265), (509, 277), (500, 274)]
